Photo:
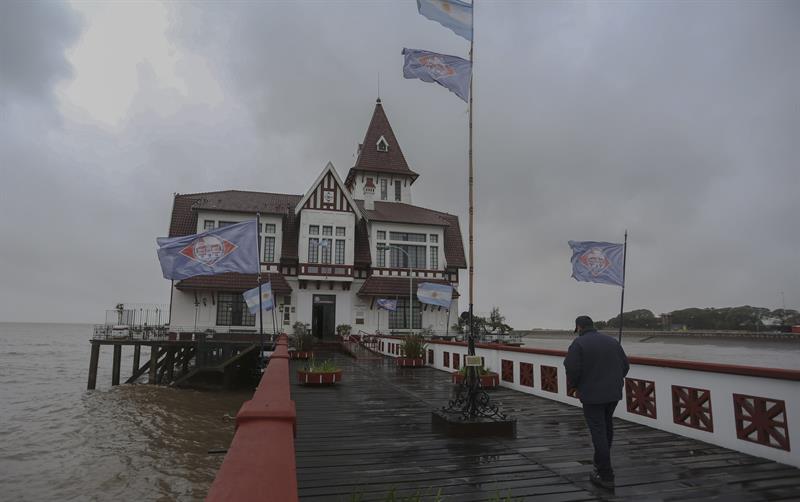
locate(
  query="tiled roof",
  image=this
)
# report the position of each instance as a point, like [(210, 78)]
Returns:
[(370, 159), (234, 282), (377, 285), (398, 212), (361, 252)]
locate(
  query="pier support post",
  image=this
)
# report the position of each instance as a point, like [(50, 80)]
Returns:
[(151, 379), (137, 353), (115, 368), (171, 364), (93, 359)]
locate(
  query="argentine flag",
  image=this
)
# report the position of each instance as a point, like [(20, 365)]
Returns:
[(435, 294), (251, 298), (452, 14)]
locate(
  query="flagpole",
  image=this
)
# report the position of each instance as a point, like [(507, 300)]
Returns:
[(260, 306), (622, 298), (471, 344)]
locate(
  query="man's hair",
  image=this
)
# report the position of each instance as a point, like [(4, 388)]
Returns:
[(582, 322)]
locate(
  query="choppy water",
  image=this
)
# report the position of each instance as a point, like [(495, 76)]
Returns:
[(59, 441)]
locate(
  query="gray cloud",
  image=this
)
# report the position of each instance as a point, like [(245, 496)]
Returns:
[(676, 121)]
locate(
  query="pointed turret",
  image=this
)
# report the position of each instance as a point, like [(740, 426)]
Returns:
[(381, 159)]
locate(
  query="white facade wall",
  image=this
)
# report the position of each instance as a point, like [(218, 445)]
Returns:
[(405, 186), (333, 219), (722, 386)]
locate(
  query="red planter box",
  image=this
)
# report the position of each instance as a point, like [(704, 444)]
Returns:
[(488, 381), (408, 362), (300, 355), (312, 378)]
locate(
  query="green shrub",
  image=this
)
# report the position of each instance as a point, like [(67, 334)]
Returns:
[(414, 346), (325, 366), (301, 338)]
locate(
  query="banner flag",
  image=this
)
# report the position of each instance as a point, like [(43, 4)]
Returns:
[(452, 14), (451, 72), (267, 300), (435, 294), (386, 304), (599, 262), (233, 248)]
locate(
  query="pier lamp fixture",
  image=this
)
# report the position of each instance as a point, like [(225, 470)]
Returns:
[(382, 249)]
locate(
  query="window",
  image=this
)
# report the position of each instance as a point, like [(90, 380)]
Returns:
[(313, 250), (416, 255), (434, 238), (384, 191), (327, 230), (208, 225), (339, 252), (381, 235), (399, 318), (397, 190), (226, 223), (434, 257), (381, 254), (269, 249), (313, 230), (339, 231), (269, 228), (383, 145), (232, 311), (325, 246), (287, 309), (404, 236)]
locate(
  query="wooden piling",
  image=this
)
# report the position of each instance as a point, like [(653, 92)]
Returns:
[(94, 358), (137, 352), (153, 365), (171, 365), (116, 366)]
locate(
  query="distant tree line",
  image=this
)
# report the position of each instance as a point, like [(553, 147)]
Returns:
[(745, 318)]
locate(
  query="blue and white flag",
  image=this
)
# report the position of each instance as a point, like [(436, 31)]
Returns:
[(267, 300), (386, 304), (597, 262), (451, 72), (451, 14), (435, 294), (228, 249)]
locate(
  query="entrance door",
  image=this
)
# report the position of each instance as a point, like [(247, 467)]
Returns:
[(323, 316)]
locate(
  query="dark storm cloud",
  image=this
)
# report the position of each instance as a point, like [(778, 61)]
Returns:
[(33, 38), (677, 121)]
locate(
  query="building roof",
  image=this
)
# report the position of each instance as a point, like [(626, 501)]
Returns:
[(371, 159), (398, 212), (234, 282), (377, 285)]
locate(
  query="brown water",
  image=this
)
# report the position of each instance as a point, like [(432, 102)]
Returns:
[(59, 441)]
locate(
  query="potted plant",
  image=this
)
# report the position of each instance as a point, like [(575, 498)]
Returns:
[(319, 373), (413, 351), (489, 379), (302, 340), (343, 330)]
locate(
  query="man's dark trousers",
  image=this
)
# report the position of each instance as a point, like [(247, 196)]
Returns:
[(599, 419)]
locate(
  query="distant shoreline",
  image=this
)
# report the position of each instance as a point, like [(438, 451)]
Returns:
[(645, 334)]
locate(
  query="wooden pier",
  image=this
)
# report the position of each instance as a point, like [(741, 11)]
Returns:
[(180, 362), (371, 436)]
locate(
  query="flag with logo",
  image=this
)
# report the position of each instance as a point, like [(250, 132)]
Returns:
[(600, 262), (435, 294), (386, 304), (451, 72), (233, 248), (452, 14), (267, 300)]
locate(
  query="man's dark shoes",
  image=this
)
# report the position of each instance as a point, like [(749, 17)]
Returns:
[(598, 480)]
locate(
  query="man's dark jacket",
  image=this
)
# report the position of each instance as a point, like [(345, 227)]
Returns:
[(596, 365)]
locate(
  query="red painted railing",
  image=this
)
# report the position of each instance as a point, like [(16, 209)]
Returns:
[(260, 464)]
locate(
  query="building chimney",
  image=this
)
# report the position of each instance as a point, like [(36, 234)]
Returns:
[(369, 195)]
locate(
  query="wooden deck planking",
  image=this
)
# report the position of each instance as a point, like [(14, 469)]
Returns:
[(372, 433)]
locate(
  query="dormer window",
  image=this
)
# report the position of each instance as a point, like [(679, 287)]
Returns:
[(383, 145)]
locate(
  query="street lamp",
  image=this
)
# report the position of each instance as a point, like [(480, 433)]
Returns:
[(383, 248)]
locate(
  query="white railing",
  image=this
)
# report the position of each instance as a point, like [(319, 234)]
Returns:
[(748, 409)]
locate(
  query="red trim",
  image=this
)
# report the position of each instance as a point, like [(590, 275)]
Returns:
[(526, 374), (640, 397), (260, 464), (692, 407), (761, 420), (549, 375), (731, 369)]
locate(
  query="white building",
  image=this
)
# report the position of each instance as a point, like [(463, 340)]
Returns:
[(321, 250)]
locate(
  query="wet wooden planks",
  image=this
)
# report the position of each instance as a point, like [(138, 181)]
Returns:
[(372, 434)]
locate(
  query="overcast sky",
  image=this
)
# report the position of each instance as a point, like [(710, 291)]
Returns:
[(679, 121)]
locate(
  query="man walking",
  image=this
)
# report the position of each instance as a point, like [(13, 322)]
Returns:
[(596, 366)]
